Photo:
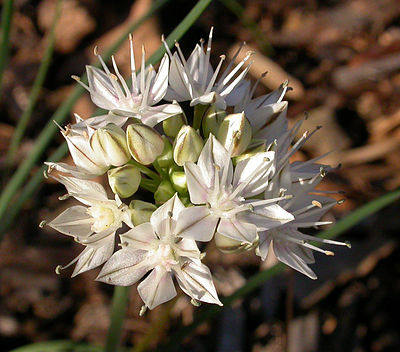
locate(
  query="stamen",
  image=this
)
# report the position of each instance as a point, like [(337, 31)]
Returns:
[(64, 197), (269, 201), (195, 302), (236, 68), (214, 77), (231, 63), (142, 310), (207, 60), (147, 89), (132, 61), (232, 85), (124, 85), (42, 224), (142, 70)]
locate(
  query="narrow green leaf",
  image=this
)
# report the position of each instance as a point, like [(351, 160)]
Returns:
[(6, 18), (58, 346), (258, 279), (36, 89)]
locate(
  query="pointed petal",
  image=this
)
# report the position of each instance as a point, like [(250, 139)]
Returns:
[(102, 91), (172, 207), (157, 288), (265, 242), (197, 187), (196, 223), (160, 84), (238, 230), (196, 281), (125, 267), (155, 114), (140, 237)]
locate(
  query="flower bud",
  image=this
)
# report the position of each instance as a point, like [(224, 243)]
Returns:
[(187, 146), (228, 245), (164, 192), (165, 159), (235, 133), (141, 211), (144, 143), (110, 143), (212, 120), (172, 125), (178, 180), (249, 153), (124, 180)]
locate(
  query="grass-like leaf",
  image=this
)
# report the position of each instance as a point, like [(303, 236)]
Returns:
[(6, 18), (36, 89)]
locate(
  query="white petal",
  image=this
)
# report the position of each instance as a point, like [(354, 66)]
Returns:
[(196, 281), (94, 256), (266, 217), (178, 79), (170, 209), (212, 155), (140, 237), (265, 242), (125, 267), (160, 84), (285, 255), (238, 230), (102, 91), (155, 114), (255, 172), (157, 288), (196, 223), (74, 221), (197, 187), (72, 170)]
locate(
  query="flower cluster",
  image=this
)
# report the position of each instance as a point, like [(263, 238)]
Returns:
[(225, 175)]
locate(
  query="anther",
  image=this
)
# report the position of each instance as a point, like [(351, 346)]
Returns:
[(64, 197), (112, 76), (348, 244), (341, 201), (96, 50), (76, 78), (42, 224), (329, 253), (203, 255), (142, 310), (316, 204), (58, 269)]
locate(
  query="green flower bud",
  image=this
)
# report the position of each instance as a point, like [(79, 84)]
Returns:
[(124, 180), (187, 146), (172, 125), (165, 159), (235, 133), (110, 144), (228, 245), (249, 153), (144, 143), (178, 180), (212, 120), (164, 192), (141, 211)]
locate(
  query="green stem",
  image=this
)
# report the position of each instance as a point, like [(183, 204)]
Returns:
[(145, 170), (118, 310), (6, 18), (36, 89), (258, 279)]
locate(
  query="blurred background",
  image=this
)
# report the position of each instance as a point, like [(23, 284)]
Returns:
[(342, 59)]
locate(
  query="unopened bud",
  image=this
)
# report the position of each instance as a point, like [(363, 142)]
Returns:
[(110, 143), (187, 146), (141, 211), (212, 120), (178, 180), (249, 153), (235, 133), (124, 180), (166, 159), (164, 192), (172, 125), (144, 143), (228, 245)]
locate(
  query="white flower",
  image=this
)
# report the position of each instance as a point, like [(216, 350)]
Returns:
[(308, 205), (223, 192), (111, 92), (93, 224), (78, 136), (195, 79), (153, 246)]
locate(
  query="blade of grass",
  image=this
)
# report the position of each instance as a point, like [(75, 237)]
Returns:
[(59, 116), (236, 8), (258, 279), (118, 310), (36, 89), (6, 18), (35, 181), (58, 346)]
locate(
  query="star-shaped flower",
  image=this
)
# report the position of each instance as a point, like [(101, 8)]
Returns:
[(222, 196), (154, 246)]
